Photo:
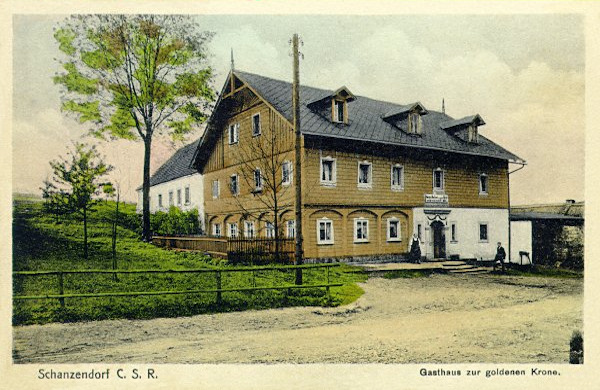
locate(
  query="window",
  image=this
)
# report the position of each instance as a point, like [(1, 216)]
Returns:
[(324, 231), (364, 174), (483, 232), (187, 195), (234, 133), (179, 197), (269, 230), (257, 180), (361, 230), (248, 229), (473, 134), (327, 171), (414, 125), (232, 230), (438, 180), (419, 233), (216, 229), (256, 124), (338, 111), (160, 204), (393, 229), (215, 189), (397, 179), (453, 232), (234, 184), (286, 173), (483, 184), (170, 198), (291, 229)]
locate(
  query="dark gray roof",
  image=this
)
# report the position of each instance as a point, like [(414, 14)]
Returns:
[(175, 167), (532, 215), (462, 121), (366, 120)]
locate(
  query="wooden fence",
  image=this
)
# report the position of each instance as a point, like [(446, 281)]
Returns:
[(217, 288), (236, 250)]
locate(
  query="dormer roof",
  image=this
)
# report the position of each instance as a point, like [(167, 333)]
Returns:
[(456, 124), (402, 111), (342, 93)]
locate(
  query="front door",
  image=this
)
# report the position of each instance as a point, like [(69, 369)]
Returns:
[(439, 240)]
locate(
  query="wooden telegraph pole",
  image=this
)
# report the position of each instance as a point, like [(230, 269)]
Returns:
[(298, 165)]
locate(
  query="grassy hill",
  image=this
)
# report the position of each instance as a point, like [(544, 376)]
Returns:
[(42, 241)]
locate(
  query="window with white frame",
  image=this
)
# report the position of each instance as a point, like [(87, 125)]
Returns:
[(291, 229), (234, 184), (414, 125), (187, 195), (170, 198), (269, 230), (453, 232), (324, 231), (234, 133), (257, 180), (393, 229), (338, 111), (483, 232), (419, 232), (483, 184), (397, 177), (232, 229), (328, 174), (286, 173), (361, 230), (365, 174), (216, 229), (438, 180), (249, 229), (473, 134), (160, 203), (256, 124), (179, 197), (215, 189)]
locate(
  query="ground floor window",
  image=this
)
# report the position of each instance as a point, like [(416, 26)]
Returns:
[(160, 204), (170, 198), (393, 229), (324, 231), (216, 229), (291, 229), (232, 230), (483, 232), (361, 230), (420, 232), (187, 195), (248, 229), (269, 230), (453, 232)]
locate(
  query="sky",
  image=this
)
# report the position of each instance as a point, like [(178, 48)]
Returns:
[(524, 74)]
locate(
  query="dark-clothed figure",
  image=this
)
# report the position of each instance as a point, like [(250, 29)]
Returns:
[(415, 250), (500, 256)]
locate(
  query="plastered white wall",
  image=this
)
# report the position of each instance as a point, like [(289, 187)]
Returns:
[(521, 240)]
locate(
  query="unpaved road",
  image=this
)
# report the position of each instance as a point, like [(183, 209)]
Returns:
[(441, 318)]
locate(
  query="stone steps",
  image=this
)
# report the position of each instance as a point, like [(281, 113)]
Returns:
[(460, 267)]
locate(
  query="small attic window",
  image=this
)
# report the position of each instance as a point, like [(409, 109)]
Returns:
[(473, 134), (414, 123), (339, 111)]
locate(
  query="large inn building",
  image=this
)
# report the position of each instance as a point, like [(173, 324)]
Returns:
[(373, 173)]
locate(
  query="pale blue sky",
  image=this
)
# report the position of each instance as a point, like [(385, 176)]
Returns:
[(523, 74)]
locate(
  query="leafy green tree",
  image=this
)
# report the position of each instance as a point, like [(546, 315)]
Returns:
[(135, 76), (76, 183)]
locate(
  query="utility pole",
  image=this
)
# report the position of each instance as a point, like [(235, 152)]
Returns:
[(298, 150)]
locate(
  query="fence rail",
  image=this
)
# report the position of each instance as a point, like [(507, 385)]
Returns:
[(217, 272), (237, 249)]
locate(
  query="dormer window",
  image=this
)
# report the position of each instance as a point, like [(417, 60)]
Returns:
[(339, 111), (473, 135), (414, 123)]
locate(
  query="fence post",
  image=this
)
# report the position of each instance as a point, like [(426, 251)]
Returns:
[(61, 290), (327, 288), (218, 279)]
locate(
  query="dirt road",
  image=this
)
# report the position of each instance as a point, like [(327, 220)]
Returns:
[(441, 318)]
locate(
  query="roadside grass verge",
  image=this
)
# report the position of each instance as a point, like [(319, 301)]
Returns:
[(407, 274), (540, 271), (43, 242)]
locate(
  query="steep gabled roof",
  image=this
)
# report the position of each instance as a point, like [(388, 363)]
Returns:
[(365, 120), (179, 165), (463, 121)]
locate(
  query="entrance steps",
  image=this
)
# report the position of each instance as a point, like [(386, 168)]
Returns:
[(460, 267)]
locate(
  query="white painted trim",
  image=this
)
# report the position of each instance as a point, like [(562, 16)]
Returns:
[(258, 187), (237, 181), (254, 134), (361, 220), (249, 229), (369, 184), (235, 127), (290, 178), (398, 230), (487, 231), (487, 184), (288, 230), (397, 187), (442, 189), (332, 182), (324, 242), (232, 227)]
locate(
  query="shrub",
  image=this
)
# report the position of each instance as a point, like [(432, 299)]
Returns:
[(175, 222), (576, 348)]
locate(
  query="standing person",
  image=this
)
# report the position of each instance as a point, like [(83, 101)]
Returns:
[(500, 256), (415, 250)]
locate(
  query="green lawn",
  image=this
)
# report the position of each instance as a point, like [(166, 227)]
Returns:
[(43, 242)]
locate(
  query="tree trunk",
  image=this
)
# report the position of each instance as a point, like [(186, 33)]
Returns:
[(298, 165), (114, 237), (146, 234), (85, 235)]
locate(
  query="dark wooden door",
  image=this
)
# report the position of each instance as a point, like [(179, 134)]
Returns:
[(439, 240)]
